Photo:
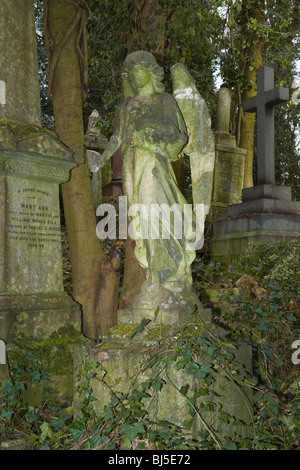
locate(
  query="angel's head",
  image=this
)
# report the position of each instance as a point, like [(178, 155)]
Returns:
[(141, 71)]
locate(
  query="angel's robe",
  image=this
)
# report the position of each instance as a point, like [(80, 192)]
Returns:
[(153, 133)]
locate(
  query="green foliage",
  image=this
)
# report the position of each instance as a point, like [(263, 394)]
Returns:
[(192, 34), (274, 24), (264, 315), (278, 263)]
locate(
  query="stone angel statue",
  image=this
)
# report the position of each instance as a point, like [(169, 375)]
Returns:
[(152, 131)]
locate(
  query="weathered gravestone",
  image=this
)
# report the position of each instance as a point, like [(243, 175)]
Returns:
[(229, 164), (267, 213), (33, 163)]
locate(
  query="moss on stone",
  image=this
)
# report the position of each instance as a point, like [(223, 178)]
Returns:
[(22, 130), (54, 354)]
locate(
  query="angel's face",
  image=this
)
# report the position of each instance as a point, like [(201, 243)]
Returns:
[(140, 76)]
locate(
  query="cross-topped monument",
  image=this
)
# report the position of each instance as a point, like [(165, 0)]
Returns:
[(263, 103), (267, 212)]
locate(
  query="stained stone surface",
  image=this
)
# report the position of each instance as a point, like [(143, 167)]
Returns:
[(120, 359), (201, 144), (18, 62), (232, 237), (229, 163), (263, 104), (32, 298)]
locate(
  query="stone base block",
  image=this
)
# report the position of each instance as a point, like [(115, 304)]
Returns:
[(267, 191), (232, 237), (265, 198), (164, 304), (274, 206), (162, 315), (37, 316), (119, 366)]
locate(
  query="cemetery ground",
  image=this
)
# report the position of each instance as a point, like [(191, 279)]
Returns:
[(256, 301)]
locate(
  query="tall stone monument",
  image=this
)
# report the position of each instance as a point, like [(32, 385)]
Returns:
[(151, 133), (32, 165), (267, 212), (229, 163)]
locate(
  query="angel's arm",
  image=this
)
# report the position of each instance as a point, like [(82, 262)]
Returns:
[(113, 144)]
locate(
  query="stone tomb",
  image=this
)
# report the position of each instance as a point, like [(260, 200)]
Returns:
[(267, 212)]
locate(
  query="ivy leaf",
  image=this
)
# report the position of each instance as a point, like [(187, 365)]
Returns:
[(132, 430), (158, 384), (140, 327), (184, 389), (99, 440), (231, 446), (7, 414), (46, 431), (191, 309)]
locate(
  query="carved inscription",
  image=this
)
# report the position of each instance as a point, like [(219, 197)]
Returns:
[(32, 221), (229, 175)]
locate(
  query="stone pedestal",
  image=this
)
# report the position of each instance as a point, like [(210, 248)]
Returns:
[(120, 365), (229, 162), (228, 175), (267, 214)]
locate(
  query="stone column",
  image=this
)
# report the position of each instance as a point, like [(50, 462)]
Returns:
[(223, 110), (18, 62)]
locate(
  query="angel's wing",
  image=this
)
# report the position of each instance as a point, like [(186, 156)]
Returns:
[(201, 145)]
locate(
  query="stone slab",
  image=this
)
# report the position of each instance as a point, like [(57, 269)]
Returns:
[(267, 191), (232, 237), (228, 175), (122, 358), (37, 316), (162, 317), (19, 62), (276, 206), (257, 222)]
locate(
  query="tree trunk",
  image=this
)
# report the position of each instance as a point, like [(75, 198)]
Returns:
[(95, 276), (254, 55)]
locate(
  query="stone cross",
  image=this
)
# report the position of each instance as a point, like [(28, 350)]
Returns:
[(263, 103)]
